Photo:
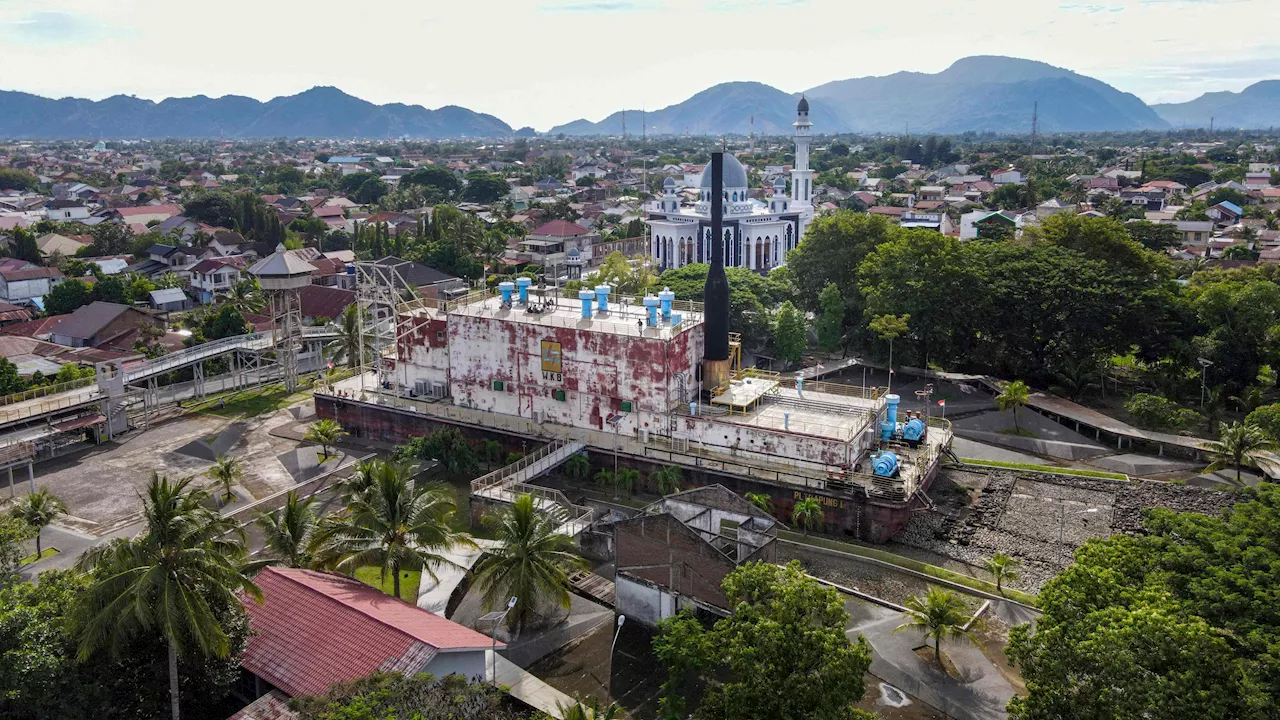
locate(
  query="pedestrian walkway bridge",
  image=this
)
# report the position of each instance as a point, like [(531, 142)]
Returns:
[(506, 484), (34, 404)]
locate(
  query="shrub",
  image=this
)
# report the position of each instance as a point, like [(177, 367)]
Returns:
[(1155, 412), (1266, 417)]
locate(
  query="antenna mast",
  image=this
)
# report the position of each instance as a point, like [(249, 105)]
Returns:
[(1035, 126), (753, 134)]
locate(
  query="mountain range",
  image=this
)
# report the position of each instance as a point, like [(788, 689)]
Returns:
[(980, 93)]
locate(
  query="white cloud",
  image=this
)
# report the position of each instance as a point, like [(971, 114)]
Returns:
[(544, 62)]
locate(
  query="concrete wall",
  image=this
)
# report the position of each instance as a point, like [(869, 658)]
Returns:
[(599, 371), (711, 432), (469, 664), (642, 602)]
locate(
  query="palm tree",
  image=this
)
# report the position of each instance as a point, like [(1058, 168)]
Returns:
[(226, 471), (1235, 443), (578, 466), (170, 579), (290, 534), (1077, 377), (169, 281), (667, 478), (490, 452), (582, 711), (324, 433), (761, 500), (245, 296), (394, 524), (807, 513), (625, 480), (939, 614), (1003, 567), (361, 479), (1013, 397), (532, 562), (346, 346), (604, 477), (39, 509), (890, 327)]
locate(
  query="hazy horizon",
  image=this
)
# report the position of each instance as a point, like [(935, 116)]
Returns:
[(543, 63)]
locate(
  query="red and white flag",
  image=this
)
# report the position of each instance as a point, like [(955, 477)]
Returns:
[(943, 403)]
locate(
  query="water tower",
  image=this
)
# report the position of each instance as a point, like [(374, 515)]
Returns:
[(281, 275)]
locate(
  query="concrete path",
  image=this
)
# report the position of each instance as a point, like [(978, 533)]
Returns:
[(965, 448), (433, 595), (980, 694), (71, 545)]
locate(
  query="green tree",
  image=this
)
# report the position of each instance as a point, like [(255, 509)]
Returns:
[(447, 446), (244, 296), (490, 451), (783, 653), (390, 695), (15, 179), (790, 334), (1003, 567), (10, 381), (834, 247), (937, 615), (485, 188), (442, 179), (22, 245), (14, 533), (39, 509), (370, 191), (226, 471), (226, 321), (324, 433), (168, 580), (1176, 621), (1013, 396), (67, 295), (532, 562), (830, 325), (807, 513), (1267, 419), (1158, 413), (578, 466), (1235, 446), (346, 346), (396, 524), (889, 327), (291, 534), (1154, 236), (667, 479)]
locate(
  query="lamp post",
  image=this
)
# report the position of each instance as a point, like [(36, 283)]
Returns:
[(615, 420), (618, 631), (1205, 363), (496, 618)]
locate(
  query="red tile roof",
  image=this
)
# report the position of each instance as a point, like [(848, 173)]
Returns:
[(560, 228), (314, 629), (272, 706)]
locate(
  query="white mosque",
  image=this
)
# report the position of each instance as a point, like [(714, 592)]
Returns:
[(757, 235)]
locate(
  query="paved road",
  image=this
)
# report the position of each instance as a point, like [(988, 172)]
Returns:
[(981, 693)]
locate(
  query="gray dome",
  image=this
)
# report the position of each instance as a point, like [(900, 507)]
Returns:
[(780, 182), (803, 107), (669, 183), (735, 176)]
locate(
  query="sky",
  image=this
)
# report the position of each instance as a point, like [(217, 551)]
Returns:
[(546, 62)]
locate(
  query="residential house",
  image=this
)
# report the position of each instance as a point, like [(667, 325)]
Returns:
[(146, 214), (1195, 232), (1006, 177), (64, 245), (1225, 213), (932, 192), (548, 243), (28, 285), (170, 300), (927, 220), (675, 553), (214, 276), (425, 280), (100, 323), (66, 210), (321, 303), (314, 629)]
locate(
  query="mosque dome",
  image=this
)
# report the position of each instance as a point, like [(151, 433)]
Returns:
[(803, 107), (735, 176)]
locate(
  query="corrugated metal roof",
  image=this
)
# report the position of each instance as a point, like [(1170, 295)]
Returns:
[(168, 295)]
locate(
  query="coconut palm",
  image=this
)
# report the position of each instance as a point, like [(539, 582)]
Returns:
[(1013, 397), (1077, 377), (625, 480), (667, 478), (604, 477), (807, 513), (39, 509), (227, 472), (346, 346), (532, 562), (1003, 567), (938, 615), (324, 433), (245, 296), (761, 500), (1235, 443), (169, 579), (582, 711), (394, 524), (361, 479), (578, 466), (290, 534)]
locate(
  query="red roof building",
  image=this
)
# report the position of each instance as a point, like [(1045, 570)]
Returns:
[(560, 229), (315, 629)]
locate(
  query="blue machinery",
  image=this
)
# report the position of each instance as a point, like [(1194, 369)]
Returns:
[(884, 463)]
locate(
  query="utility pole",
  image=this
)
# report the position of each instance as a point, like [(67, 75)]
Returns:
[(753, 134)]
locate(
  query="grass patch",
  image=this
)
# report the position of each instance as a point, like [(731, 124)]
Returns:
[(409, 581), (251, 403), (907, 564), (47, 552), (1045, 468), (1018, 432)]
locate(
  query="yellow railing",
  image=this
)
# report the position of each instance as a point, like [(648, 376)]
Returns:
[(855, 391)]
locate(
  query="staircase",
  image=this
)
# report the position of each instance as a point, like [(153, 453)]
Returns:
[(506, 484)]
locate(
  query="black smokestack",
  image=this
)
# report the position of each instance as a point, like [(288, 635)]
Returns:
[(715, 295)]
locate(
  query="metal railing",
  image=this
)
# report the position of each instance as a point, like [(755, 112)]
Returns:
[(62, 401), (45, 390), (854, 391), (497, 477), (575, 517)]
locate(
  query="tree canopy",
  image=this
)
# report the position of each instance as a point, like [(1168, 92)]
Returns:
[(1180, 623)]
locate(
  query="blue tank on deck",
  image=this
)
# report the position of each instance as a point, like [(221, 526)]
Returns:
[(885, 464), (913, 430)]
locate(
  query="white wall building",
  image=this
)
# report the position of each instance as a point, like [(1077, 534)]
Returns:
[(757, 235)]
